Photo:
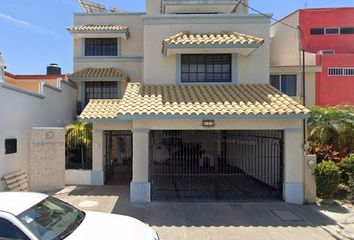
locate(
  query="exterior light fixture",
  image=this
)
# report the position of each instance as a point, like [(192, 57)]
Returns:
[(208, 123)]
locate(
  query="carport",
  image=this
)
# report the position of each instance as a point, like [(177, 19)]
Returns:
[(216, 165)]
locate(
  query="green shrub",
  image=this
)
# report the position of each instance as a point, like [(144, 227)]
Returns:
[(351, 185), (346, 167), (327, 179)]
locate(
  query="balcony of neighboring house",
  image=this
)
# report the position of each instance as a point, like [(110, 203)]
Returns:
[(203, 6)]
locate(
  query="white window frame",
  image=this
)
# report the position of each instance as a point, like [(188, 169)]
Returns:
[(331, 28), (340, 71)]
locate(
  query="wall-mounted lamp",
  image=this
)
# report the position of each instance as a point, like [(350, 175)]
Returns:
[(208, 123)]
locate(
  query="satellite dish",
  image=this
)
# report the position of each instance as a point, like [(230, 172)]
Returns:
[(91, 7)]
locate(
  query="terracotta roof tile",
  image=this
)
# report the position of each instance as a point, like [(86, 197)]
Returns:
[(97, 28), (98, 73), (229, 38), (197, 100), (101, 109)]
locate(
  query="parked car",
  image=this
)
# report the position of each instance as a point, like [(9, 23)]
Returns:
[(36, 216)]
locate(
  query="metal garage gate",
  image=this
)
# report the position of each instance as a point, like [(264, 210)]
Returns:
[(216, 165)]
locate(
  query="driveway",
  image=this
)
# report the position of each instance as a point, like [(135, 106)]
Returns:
[(209, 220)]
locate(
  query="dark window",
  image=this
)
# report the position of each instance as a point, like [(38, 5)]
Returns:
[(10, 146), (10, 231), (347, 30), (205, 68), (101, 90), (285, 83), (332, 30), (317, 31), (101, 47)]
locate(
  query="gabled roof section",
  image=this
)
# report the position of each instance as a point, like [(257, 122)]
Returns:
[(197, 101), (90, 29), (211, 40), (91, 74)]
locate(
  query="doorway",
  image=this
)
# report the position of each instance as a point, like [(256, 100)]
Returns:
[(118, 157)]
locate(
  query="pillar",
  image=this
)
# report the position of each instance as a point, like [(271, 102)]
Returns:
[(140, 185), (97, 177), (293, 188)]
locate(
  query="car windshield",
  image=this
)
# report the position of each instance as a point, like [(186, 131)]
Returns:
[(51, 219)]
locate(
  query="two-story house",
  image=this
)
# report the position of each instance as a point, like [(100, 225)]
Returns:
[(181, 105)]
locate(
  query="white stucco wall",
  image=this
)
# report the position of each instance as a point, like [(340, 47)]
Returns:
[(21, 112)]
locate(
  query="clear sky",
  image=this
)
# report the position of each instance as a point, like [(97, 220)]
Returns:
[(33, 35)]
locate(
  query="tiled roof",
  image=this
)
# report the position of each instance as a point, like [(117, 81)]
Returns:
[(199, 100), (97, 28), (228, 38), (98, 73), (100, 109)]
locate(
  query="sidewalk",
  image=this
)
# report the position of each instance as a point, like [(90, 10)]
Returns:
[(220, 220)]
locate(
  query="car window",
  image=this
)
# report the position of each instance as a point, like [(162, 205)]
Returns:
[(8, 231), (51, 219)]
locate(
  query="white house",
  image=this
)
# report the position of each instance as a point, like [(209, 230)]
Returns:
[(181, 105)]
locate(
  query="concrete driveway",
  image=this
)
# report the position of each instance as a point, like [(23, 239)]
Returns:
[(208, 220)]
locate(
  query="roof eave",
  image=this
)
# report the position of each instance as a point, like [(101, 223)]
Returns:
[(121, 117)]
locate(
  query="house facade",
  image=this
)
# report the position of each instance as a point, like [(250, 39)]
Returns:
[(325, 34), (181, 106)]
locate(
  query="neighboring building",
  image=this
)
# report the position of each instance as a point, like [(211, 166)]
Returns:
[(28, 102), (326, 36), (181, 105), (31, 82)]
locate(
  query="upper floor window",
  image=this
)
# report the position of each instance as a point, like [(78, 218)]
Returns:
[(332, 30), (341, 71), (285, 83), (101, 90), (101, 47), (199, 68)]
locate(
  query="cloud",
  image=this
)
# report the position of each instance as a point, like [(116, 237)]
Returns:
[(25, 25)]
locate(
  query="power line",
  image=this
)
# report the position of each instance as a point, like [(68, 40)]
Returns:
[(257, 11)]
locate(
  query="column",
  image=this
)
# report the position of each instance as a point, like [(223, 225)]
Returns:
[(140, 185), (293, 188), (97, 157)]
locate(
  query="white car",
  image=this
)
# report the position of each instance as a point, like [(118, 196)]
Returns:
[(36, 216)]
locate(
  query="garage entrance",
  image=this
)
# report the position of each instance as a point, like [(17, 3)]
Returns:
[(216, 165)]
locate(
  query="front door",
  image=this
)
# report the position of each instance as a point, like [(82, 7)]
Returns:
[(118, 165)]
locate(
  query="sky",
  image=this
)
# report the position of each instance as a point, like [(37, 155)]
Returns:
[(33, 35)]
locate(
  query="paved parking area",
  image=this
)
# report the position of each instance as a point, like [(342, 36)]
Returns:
[(209, 220)]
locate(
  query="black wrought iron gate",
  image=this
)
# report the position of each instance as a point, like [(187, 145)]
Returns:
[(118, 164), (216, 165)]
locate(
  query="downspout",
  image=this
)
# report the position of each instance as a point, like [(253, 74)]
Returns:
[(304, 91)]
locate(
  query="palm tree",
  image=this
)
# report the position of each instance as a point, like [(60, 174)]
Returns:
[(78, 134), (332, 126)]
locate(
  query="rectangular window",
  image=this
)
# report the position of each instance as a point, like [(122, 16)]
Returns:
[(101, 47), (341, 71), (332, 30), (347, 30), (197, 68), (285, 83), (101, 90), (317, 31)]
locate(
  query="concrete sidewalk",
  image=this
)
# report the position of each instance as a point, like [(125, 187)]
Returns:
[(213, 220)]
